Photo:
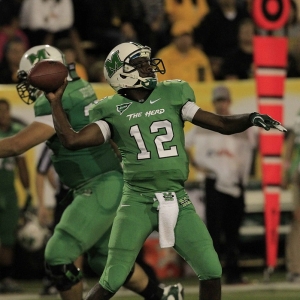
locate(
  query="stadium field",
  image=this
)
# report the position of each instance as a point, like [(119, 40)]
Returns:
[(257, 289)]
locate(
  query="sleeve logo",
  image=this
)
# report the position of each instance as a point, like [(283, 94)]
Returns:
[(122, 107)]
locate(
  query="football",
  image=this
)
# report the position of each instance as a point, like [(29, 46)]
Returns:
[(47, 75)]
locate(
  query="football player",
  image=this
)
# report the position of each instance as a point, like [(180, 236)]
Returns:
[(93, 174), (9, 210), (146, 119)]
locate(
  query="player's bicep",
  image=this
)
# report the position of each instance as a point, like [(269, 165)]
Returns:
[(29, 137), (88, 136)]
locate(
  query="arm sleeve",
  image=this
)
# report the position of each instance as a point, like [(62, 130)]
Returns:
[(188, 111), (105, 129)]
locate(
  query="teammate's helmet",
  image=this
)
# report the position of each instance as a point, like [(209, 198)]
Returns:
[(31, 235), (35, 54), (119, 72)]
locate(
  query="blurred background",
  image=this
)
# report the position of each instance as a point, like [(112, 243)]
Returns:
[(208, 43)]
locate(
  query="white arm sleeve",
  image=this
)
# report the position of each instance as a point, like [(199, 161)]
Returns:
[(105, 129), (188, 111)]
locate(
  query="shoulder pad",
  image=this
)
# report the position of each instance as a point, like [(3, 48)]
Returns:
[(172, 82)]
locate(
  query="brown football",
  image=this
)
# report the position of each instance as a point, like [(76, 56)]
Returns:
[(47, 75)]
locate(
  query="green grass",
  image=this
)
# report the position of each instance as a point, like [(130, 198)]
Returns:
[(259, 295), (275, 289)]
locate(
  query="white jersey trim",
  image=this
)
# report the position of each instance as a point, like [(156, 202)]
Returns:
[(105, 129), (188, 111), (47, 119)]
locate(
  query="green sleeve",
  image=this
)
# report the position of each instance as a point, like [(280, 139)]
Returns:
[(187, 92), (100, 109)]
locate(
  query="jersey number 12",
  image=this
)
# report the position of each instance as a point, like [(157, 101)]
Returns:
[(159, 140)]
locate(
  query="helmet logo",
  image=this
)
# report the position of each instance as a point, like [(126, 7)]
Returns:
[(40, 55), (113, 65), (122, 107)]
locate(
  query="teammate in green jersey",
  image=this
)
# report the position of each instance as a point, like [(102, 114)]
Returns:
[(95, 176), (146, 119), (9, 209)]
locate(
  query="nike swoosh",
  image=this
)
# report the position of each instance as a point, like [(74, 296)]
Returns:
[(153, 101)]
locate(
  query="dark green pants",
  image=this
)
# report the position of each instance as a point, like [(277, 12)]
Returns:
[(86, 223)]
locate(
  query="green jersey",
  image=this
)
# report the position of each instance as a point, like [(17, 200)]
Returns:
[(77, 167), (150, 135), (8, 164)]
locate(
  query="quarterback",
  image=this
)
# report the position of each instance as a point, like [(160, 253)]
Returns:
[(146, 119), (95, 176)]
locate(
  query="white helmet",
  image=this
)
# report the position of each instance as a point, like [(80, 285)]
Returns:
[(31, 235), (35, 54), (119, 72)]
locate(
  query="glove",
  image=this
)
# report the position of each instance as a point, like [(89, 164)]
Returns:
[(265, 122)]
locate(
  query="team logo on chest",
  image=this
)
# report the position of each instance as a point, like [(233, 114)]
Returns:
[(122, 107)]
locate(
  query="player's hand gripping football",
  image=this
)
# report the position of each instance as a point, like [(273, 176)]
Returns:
[(56, 96), (265, 122)]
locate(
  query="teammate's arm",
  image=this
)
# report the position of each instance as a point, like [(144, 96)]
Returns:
[(90, 135), (25, 139)]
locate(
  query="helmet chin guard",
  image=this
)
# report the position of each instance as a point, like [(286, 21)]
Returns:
[(27, 93), (119, 72)]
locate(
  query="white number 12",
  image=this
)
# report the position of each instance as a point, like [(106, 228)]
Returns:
[(159, 140)]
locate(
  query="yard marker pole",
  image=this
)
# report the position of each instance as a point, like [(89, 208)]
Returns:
[(270, 62)]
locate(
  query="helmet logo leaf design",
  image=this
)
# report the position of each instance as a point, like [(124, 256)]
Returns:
[(36, 57), (121, 73), (114, 64)]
